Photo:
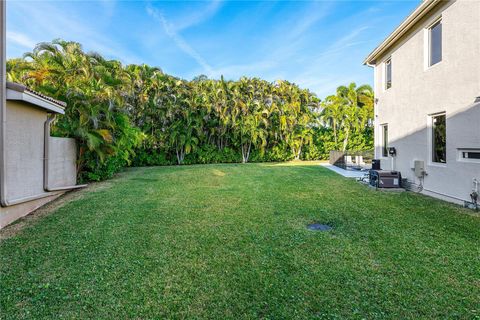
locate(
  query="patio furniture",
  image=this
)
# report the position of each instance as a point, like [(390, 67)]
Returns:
[(359, 161), (348, 160)]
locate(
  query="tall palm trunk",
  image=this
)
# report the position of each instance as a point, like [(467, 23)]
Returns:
[(345, 141), (335, 132), (298, 152), (180, 154), (246, 147)]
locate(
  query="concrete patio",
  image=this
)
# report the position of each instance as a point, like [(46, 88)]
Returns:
[(343, 172)]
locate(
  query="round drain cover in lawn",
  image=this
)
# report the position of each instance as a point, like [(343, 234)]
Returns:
[(318, 227)]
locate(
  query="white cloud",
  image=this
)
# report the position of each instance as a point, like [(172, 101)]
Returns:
[(170, 30), (198, 17), (20, 39), (279, 50), (348, 39), (108, 6), (311, 16), (303, 47), (314, 76), (64, 25)]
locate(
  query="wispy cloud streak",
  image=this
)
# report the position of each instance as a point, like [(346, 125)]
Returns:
[(20, 39), (170, 30), (66, 27), (198, 16)]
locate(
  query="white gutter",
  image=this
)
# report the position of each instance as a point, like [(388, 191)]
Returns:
[(33, 99), (3, 102), (403, 28)]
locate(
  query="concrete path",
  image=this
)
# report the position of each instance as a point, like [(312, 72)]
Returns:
[(343, 172)]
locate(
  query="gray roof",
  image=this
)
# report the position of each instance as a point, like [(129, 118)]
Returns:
[(423, 9), (17, 91)]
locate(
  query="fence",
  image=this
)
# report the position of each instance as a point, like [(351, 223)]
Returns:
[(356, 160)]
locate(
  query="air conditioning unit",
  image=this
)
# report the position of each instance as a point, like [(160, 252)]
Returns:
[(385, 179)]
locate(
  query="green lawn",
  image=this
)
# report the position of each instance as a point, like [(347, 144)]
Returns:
[(229, 241)]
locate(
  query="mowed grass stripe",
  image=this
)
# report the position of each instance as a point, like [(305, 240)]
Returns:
[(229, 241)]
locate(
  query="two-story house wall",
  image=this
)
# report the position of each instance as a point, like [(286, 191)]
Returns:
[(427, 80)]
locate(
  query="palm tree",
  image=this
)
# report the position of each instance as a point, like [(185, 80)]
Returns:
[(332, 114), (94, 90), (112, 108), (357, 108)]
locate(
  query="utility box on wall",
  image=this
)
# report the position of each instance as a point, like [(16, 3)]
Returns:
[(419, 168)]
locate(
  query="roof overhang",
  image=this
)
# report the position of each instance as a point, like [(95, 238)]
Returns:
[(20, 92), (425, 7)]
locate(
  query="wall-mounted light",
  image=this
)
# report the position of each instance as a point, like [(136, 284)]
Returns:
[(376, 100)]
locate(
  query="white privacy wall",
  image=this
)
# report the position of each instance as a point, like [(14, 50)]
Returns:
[(25, 153), (62, 162)]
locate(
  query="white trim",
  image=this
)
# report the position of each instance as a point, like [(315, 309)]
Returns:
[(436, 164), (385, 65), (460, 157), (426, 49), (428, 42), (35, 100), (443, 196), (382, 140), (430, 139), (403, 28)]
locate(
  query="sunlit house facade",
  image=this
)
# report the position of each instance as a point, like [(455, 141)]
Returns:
[(427, 106)]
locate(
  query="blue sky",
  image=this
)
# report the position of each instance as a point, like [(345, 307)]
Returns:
[(318, 45)]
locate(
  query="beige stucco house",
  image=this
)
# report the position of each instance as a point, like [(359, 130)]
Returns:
[(36, 168), (427, 84)]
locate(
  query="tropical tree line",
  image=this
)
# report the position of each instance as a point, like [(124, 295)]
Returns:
[(138, 115)]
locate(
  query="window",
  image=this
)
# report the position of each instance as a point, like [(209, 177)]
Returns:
[(439, 138), (388, 74), (435, 43), (384, 140), (469, 155)]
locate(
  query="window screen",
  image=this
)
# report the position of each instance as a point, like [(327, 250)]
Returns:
[(385, 140), (388, 74), (471, 155), (439, 139), (436, 43)]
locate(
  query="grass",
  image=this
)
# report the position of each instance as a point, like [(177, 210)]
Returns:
[(229, 241)]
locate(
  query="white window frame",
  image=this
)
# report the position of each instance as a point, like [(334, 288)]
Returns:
[(382, 140), (462, 159), (427, 42), (385, 65), (430, 139)]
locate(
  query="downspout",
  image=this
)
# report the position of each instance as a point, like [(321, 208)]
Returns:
[(46, 154), (3, 102)]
